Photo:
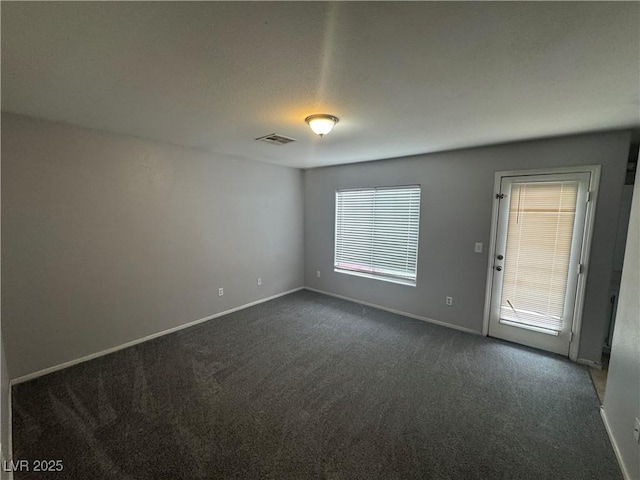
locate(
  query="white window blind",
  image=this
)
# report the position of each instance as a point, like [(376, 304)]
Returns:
[(377, 232), (536, 269)]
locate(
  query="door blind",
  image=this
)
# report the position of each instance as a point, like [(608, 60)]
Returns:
[(536, 268), (377, 232)]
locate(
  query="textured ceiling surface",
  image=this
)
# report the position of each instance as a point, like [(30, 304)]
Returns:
[(403, 77)]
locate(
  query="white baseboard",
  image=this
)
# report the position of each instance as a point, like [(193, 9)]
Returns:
[(616, 450), (45, 371), (398, 312), (590, 363)]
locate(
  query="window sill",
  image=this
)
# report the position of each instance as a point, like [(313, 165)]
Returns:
[(398, 281)]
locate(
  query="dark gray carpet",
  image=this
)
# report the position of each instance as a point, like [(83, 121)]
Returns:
[(309, 386)]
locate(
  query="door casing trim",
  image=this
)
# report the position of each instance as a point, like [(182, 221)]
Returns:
[(594, 185)]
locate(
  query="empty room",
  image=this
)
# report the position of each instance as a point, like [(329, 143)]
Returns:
[(324, 240)]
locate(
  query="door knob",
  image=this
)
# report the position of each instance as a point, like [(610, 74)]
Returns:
[(499, 268), (500, 257)]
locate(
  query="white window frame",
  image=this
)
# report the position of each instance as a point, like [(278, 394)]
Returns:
[(378, 276)]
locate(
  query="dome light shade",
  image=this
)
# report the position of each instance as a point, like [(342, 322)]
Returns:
[(321, 123)]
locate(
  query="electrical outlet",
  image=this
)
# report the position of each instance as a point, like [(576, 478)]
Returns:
[(220, 292), (478, 248), (636, 430), (318, 273), (449, 301), (259, 281)]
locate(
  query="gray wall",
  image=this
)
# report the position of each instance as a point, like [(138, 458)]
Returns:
[(456, 213), (107, 239), (622, 397), (4, 399), (623, 226)]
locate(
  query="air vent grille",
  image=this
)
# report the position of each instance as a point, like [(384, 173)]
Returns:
[(276, 139)]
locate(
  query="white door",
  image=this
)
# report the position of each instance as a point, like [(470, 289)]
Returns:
[(539, 235)]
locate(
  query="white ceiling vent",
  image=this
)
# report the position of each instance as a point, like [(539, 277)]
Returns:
[(276, 139)]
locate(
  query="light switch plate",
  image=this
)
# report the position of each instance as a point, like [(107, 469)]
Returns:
[(478, 248)]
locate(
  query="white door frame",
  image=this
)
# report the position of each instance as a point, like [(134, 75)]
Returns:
[(594, 185)]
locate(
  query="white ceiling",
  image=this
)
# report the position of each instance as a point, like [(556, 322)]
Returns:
[(404, 77)]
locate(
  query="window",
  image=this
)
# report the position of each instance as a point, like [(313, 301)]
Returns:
[(377, 233), (538, 254)]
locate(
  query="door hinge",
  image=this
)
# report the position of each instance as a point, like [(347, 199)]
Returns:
[(570, 337), (580, 269), (500, 196), (588, 196)]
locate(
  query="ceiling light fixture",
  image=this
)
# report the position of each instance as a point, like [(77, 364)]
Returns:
[(321, 123)]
